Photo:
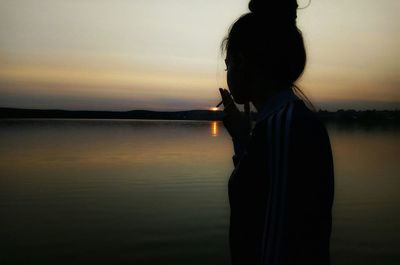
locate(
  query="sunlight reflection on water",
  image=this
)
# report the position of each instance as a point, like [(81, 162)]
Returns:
[(214, 128), (155, 192)]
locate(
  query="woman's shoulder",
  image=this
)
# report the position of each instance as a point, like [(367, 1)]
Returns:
[(295, 111), (305, 120), (294, 118), (308, 134), (303, 114)]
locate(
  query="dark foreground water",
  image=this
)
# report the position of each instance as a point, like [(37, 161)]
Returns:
[(155, 192)]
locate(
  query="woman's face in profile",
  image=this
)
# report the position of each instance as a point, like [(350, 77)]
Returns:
[(234, 78)]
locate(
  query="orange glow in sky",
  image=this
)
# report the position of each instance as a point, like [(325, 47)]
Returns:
[(163, 55)]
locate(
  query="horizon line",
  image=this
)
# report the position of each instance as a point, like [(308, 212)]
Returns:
[(211, 110)]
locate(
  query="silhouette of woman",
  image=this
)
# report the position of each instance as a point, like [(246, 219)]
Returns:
[(281, 190)]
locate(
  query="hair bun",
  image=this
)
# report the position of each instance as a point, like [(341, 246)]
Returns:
[(275, 9), (257, 6)]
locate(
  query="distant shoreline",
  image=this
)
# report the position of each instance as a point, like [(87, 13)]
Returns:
[(341, 116)]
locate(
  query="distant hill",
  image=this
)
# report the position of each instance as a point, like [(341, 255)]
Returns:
[(342, 116), (132, 114)]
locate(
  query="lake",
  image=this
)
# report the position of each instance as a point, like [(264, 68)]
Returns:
[(155, 192)]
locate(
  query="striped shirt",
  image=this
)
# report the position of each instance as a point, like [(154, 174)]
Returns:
[(281, 190)]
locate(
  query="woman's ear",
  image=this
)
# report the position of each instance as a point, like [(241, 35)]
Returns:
[(241, 61), (248, 76)]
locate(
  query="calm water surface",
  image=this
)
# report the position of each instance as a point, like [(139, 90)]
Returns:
[(155, 192)]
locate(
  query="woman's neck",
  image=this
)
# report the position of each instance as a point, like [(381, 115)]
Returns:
[(263, 92)]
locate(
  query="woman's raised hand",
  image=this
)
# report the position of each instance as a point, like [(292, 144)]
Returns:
[(234, 121)]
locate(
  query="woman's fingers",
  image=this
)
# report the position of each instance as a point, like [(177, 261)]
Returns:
[(233, 120), (226, 99)]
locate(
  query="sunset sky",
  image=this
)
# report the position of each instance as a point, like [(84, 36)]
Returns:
[(164, 54)]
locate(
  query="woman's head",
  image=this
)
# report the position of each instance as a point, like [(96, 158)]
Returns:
[(264, 45)]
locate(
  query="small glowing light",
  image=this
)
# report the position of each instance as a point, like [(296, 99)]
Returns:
[(213, 108), (214, 128)]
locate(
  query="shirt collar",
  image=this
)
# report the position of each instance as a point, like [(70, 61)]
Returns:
[(276, 102)]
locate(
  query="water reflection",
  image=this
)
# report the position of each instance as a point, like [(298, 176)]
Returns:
[(155, 192), (214, 128)]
